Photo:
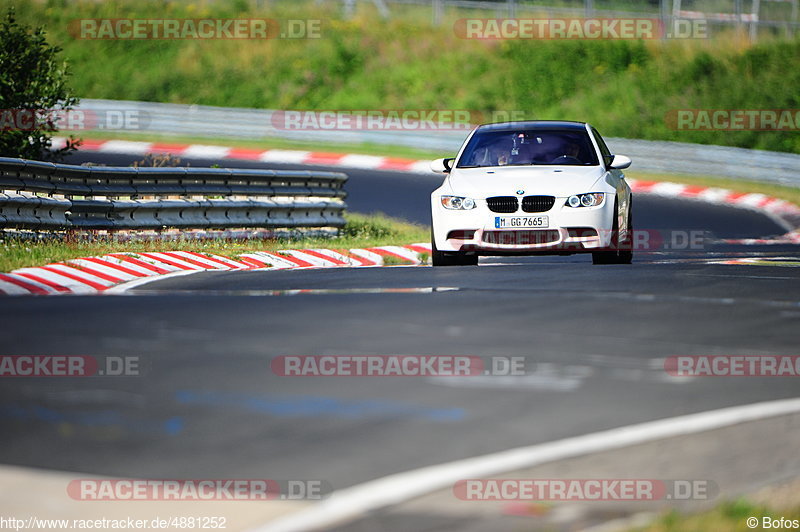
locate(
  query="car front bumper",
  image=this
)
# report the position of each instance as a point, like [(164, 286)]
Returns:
[(568, 230)]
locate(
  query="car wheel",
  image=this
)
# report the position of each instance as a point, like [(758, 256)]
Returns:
[(441, 258), (625, 253), (467, 259), (615, 254)]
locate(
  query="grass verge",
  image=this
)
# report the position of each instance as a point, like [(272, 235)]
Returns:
[(361, 231), (730, 516)]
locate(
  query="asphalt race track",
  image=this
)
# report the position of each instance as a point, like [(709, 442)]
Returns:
[(207, 405)]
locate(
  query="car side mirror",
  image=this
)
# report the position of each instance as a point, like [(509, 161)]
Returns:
[(620, 162), (442, 166)]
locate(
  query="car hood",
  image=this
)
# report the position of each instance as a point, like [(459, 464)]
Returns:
[(559, 181)]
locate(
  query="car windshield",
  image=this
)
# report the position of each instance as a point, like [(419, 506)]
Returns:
[(526, 147)]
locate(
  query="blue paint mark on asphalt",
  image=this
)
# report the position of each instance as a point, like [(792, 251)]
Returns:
[(93, 419), (316, 406), (173, 426)]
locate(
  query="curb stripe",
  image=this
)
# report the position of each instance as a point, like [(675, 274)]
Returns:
[(386, 253), (157, 263), (375, 258), (336, 255), (78, 265), (167, 260), (360, 260), (29, 286), (41, 280), (310, 258), (56, 268), (162, 147), (253, 262), (109, 264), (11, 289), (195, 261), (322, 256), (71, 285), (247, 154), (324, 158), (289, 258), (272, 261), (419, 248), (142, 264), (223, 261)]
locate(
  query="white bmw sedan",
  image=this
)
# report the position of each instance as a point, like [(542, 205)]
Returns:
[(526, 188)]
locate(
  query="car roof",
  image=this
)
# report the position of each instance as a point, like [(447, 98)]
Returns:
[(559, 125)]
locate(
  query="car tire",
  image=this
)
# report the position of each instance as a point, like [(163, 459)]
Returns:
[(604, 257), (467, 259), (618, 252), (441, 258), (625, 252)]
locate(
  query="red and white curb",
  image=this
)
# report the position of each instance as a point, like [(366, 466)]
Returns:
[(91, 275), (370, 162)]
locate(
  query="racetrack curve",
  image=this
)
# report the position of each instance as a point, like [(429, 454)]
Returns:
[(209, 406)]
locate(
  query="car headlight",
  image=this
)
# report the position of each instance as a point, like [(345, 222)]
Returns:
[(458, 203), (592, 199)]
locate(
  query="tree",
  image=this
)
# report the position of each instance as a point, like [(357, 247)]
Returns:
[(33, 82)]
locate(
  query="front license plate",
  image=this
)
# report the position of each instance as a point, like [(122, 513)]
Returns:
[(520, 222)]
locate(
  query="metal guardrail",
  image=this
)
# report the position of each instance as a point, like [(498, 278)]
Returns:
[(239, 123), (46, 196)]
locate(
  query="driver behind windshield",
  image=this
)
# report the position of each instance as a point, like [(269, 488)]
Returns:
[(570, 154), (498, 153)]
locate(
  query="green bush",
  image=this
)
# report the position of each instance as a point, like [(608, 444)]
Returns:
[(33, 80)]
